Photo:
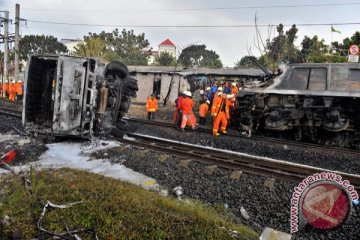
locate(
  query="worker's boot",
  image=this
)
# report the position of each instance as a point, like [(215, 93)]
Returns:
[(216, 134)]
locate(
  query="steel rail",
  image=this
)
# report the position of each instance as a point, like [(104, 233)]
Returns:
[(10, 112), (309, 146), (233, 160)]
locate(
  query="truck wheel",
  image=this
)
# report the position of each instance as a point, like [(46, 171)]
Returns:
[(116, 68)]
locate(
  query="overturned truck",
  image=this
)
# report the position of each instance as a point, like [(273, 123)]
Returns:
[(75, 96)]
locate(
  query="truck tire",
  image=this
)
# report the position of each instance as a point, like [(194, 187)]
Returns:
[(117, 68)]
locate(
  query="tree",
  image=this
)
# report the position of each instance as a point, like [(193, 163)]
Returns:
[(245, 62), (165, 59), (344, 46), (125, 46), (39, 44), (91, 47), (282, 48), (316, 51), (199, 56)]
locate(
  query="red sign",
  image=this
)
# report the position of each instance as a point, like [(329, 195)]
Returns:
[(354, 49), (325, 206)]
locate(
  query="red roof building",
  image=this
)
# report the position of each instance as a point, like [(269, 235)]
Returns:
[(167, 46), (167, 42)]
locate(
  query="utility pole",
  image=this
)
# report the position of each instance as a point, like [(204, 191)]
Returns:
[(6, 48), (17, 25)]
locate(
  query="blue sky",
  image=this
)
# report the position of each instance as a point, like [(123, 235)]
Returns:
[(230, 43)]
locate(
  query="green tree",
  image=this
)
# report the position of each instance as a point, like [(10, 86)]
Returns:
[(125, 46), (281, 49), (199, 56), (91, 47), (39, 44), (316, 51), (343, 47), (165, 59), (245, 62)]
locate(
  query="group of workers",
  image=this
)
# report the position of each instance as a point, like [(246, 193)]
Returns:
[(217, 100), (13, 90)]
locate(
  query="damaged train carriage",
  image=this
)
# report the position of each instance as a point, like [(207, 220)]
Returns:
[(75, 96), (312, 102)]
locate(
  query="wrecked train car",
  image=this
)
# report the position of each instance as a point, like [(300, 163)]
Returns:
[(74, 96), (311, 102)]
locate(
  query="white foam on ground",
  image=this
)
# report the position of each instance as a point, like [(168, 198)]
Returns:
[(76, 156), (8, 137)]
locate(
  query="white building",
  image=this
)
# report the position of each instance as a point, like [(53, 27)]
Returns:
[(167, 46), (71, 44)]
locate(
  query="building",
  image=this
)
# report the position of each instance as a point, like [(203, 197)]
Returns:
[(160, 80), (205, 76), (71, 44), (167, 46)]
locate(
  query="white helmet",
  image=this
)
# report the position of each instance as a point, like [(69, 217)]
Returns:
[(233, 84), (208, 102), (19, 81), (220, 93), (229, 96), (12, 81), (187, 93), (208, 88), (201, 91), (220, 89)]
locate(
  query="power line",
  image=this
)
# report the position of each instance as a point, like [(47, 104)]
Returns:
[(196, 9), (190, 26)]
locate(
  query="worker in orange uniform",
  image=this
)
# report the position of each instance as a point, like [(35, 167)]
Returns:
[(234, 89), (18, 89), (203, 111), (220, 113), (186, 108), (218, 94), (151, 106), (6, 89), (177, 112), (12, 91)]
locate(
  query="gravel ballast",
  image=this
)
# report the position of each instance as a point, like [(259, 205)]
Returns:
[(266, 207)]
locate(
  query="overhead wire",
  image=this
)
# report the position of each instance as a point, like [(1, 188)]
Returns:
[(195, 9), (191, 26)]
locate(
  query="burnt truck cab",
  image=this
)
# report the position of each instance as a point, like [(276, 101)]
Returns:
[(74, 96)]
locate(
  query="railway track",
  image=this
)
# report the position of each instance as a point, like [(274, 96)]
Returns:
[(309, 146), (233, 160), (10, 108)]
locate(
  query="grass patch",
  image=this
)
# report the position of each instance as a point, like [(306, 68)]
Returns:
[(117, 210)]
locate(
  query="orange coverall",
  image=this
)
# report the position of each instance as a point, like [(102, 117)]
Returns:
[(151, 107), (234, 90), (186, 107), (220, 112), (203, 109), (6, 89), (18, 88), (151, 104), (12, 92)]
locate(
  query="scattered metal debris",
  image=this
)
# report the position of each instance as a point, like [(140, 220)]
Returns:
[(244, 213), (7, 158), (22, 133), (271, 234), (6, 220), (63, 235), (178, 192)]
